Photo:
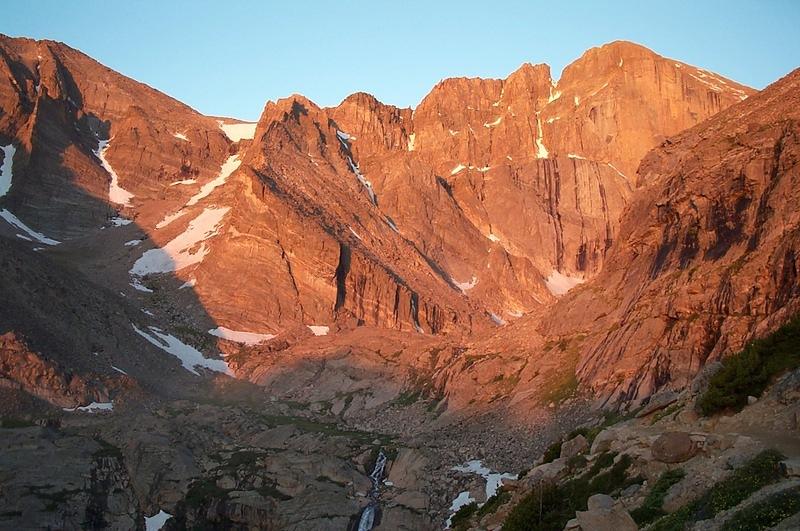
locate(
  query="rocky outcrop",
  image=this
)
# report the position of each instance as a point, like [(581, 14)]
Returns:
[(707, 254), (22, 369)]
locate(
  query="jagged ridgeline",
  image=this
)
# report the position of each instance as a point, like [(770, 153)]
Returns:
[(366, 316)]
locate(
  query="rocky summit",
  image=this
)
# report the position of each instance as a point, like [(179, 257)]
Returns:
[(526, 303)]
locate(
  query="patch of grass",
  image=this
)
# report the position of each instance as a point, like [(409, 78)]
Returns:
[(750, 371), (408, 397), (651, 509), (766, 513), (493, 503), (552, 453), (665, 412), (326, 479), (271, 491), (52, 499), (12, 423), (461, 520), (551, 506), (603, 461), (762, 470), (326, 428), (576, 462), (203, 490), (106, 450)]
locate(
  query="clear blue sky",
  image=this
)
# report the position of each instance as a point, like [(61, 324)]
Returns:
[(230, 57)]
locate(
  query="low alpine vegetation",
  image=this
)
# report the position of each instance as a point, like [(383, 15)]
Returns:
[(748, 372)]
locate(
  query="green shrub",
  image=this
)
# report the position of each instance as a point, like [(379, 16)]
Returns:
[(552, 453), (494, 502), (750, 371), (461, 519), (11, 423), (550, 506), (651, 507), (766, 513), (762, 470)]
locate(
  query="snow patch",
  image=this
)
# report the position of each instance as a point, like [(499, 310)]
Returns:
[(493, 237), (185, 181), (180, 136), (119, 370), (319, 330), (245, 338), (493, 482), (120, 222), (412, 141), (494, 123), (496, 319), (576, 100), (137, 285), (460, 501), (559, 284), (554, 95), (190, 357), (192, 282), (541, 151), (364, 182), (493, 479), (466, 286), (228, 167), (132, 243), (169, 218), (5, 169), (574, 156), (15, 221), (238, 132), (116, 193), (182, 251), (457, 169), (156, 522), (94, 406), (616, 170)]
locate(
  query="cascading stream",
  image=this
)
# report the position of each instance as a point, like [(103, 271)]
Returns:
[(368, 514)]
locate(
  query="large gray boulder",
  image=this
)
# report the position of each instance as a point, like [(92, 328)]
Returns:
[(673, 447), (575, 446)]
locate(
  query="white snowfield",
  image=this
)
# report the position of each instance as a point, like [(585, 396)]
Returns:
[(5, 169), (156, 522), (180, 136), (116, 193), (15, 221), (319, 330), (493, 482), (493, 479), (238, 131), (93, 407), (466, 286), (541, 151), (245, 338), (188, 248), (228, 167), (559, 284), (169, 218), (190, 357)]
